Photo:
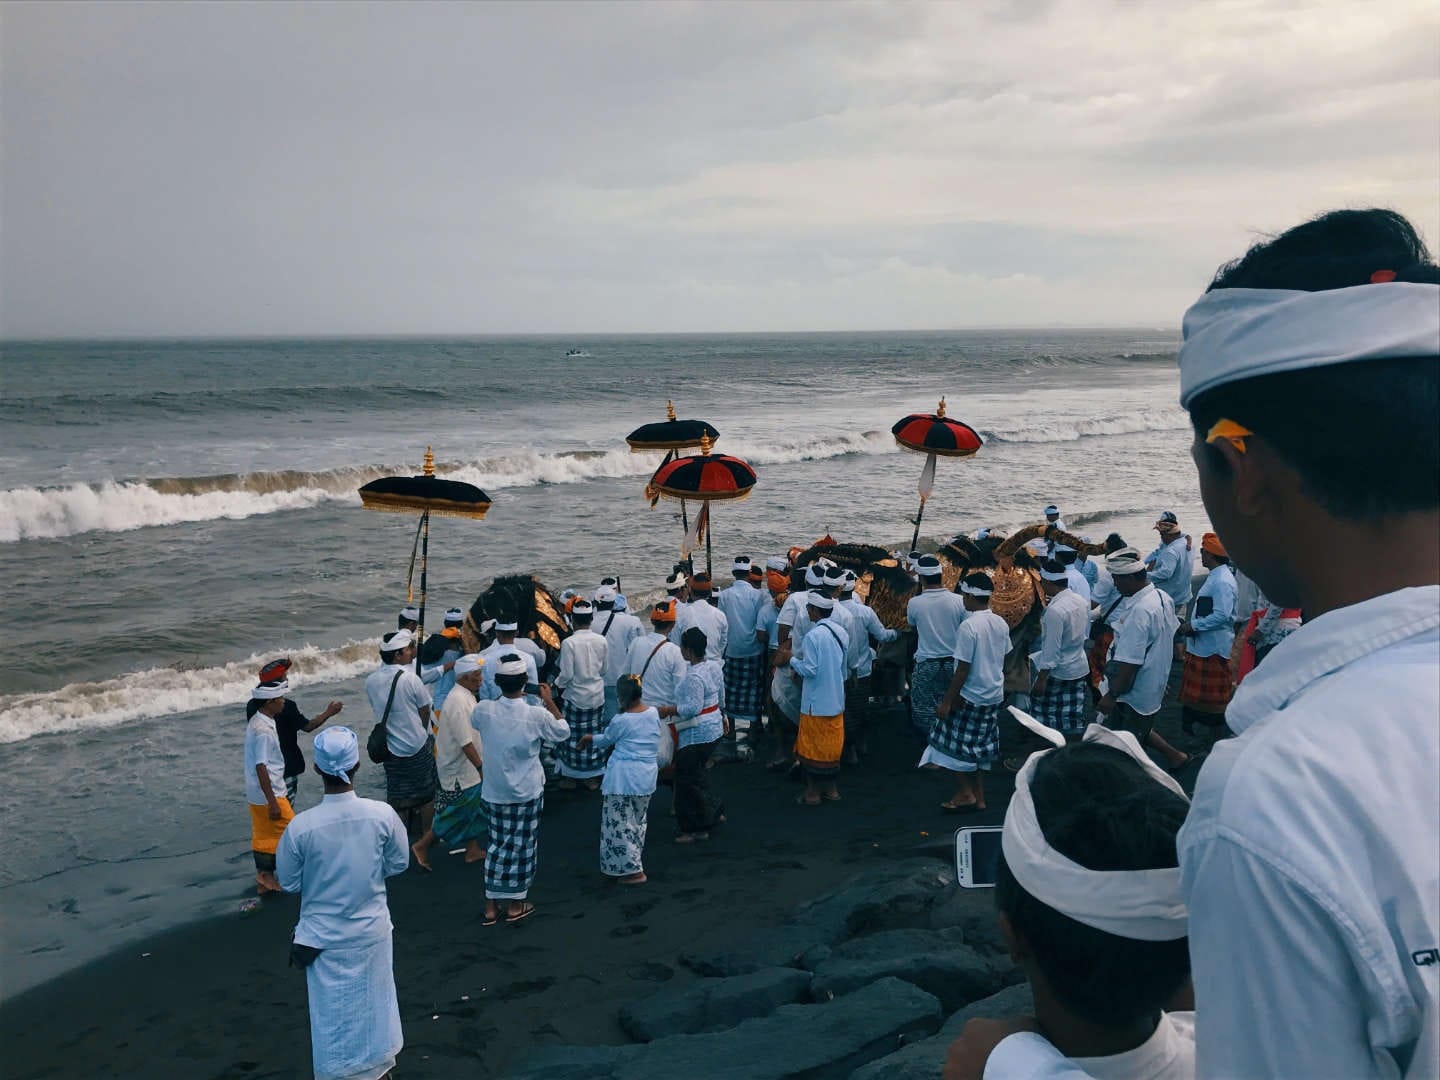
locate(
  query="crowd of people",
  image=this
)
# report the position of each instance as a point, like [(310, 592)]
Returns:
[(1115, 893)]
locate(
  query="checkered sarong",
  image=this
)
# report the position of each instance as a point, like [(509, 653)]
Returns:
[(578, 761), (970, 734), (412, 781), (928, 684), (1065, 705), (744, 686), (513, 854), (1205, 683)]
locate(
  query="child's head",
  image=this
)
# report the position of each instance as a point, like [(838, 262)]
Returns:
[(627, 690), (1098, 808)]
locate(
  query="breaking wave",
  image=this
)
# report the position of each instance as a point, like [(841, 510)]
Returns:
[(167, 691), (1068, 429)]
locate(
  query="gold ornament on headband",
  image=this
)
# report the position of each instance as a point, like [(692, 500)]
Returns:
[(1232, 432)]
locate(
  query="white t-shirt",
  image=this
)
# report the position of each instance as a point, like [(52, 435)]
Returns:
[(1062, 637), (936, 615), (511, 732), (982, 641), (1169, 1054), (660, 676), (1145, 626), (584, 656), (405, 732), (453, 734), (262, 747)]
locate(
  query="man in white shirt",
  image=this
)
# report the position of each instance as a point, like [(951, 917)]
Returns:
[(866, 631), (402, 702), (821, 663), (741, 604), (1141, 655), (1169, 564), (1312, 850), (699, 611), (655, 659), (1209, 634), (584, 657), (966, 735), (1067, 557), (1058, 697), (459, 809), (270, 809), (935, 614), (619, 629), (337, 856), (506, 642)]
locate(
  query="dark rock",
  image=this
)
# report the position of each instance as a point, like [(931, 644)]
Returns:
[(899, 895), (767, 947), (973, 912), (796, 1042), (925, 1059), (714, 1004), (939, 962)]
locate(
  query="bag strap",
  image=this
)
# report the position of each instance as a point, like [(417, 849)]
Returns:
[(608, 621), (827, 626), (1105, 619), (391, 699), (663, 642)]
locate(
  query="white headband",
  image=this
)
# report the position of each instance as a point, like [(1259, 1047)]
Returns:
[(398, 641), (1049, 576), (1233, 334), (513, 667), (466, 664), (410, 614), (455, 615), (820, 601), (270, 692), (1145, 905), (970, 590), (505, 627)]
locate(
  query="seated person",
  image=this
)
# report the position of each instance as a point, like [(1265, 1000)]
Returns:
[(1088, 892)]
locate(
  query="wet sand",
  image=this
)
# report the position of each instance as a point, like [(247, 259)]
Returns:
[(215, 999)]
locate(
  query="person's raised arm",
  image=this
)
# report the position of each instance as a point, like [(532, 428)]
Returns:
[(330, 710)]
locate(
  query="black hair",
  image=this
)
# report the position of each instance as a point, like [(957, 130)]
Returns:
[(1098, 807), (508, 684), (1364, 436), (1053, 566), (1114, 542), (1066, 558), (627, 690), (977, 580), (695, 641), (582, 618)]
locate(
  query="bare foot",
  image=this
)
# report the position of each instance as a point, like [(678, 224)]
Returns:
[(422, 857), (637, 878), (474, 853)]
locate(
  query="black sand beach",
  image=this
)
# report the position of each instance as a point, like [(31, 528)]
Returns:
[(216, 1000)]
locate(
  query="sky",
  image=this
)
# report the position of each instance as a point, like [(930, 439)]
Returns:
[(194, 169)]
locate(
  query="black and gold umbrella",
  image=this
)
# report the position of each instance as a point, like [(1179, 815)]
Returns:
[(703, 478), (424, 494), (671, 435)]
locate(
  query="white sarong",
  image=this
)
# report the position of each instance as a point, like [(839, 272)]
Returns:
[(354, 1014)]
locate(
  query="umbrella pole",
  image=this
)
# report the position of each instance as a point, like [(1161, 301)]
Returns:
[(914, 540), (709, 560), (424, 560)]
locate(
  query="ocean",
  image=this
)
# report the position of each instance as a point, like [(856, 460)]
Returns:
[(175, 513)]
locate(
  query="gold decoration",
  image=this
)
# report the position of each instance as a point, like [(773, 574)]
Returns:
[(940, 409)]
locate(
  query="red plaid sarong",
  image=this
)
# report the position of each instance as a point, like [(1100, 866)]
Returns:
[(1205, 684), (1099, 650)]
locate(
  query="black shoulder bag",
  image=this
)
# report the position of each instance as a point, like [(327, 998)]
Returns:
[(376, 745)]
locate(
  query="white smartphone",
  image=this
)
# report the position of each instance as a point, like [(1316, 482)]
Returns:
[(977, 850)]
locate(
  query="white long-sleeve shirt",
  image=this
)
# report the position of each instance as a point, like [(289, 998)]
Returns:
[(702, 687), (841, 616), (868, 626), (623, 629), (1172, 570), (1213, 618), (511, 731), (1169, 1054), (822, 664), (710, 619), (490, 656), (337, 855), (660, 677), (1063, 626), (1310, 858), (1078, 583), (584, 656), (635, 737), (741, 604)]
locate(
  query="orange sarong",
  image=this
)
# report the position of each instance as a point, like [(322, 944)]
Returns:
[(821, 739), (265, 833)]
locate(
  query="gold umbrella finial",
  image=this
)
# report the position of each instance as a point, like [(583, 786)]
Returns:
[(429, 462), (705, 445), (940, 409), (669, 410)]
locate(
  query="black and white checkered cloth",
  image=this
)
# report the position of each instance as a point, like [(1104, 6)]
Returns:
[(928, 684), (513, 854), (744, 686), (1065, 705), (970, 734), (582, 760)]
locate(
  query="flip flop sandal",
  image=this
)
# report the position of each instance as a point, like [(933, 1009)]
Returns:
[(830, 798), (962, 808), (525, 913), (490, 920), (801, 800)]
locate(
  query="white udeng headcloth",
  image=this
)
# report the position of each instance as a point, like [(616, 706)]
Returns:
[(1142, 904), (1233, 334)]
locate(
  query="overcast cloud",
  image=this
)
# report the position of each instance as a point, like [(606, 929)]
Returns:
[(177, 169)]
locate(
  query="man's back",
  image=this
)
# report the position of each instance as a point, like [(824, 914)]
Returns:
[(337, 856), (741, 604), (1308, 892)]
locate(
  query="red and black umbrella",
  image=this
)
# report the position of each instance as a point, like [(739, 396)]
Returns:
[(935, 435), (424, 494), (704, 478)]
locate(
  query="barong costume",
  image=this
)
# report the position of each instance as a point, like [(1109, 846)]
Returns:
[(512, 732), (584, 657), (459, 807), (634, 741), (337, 855), (969, 738), (821, 665), (1063, 625), (700, 702)]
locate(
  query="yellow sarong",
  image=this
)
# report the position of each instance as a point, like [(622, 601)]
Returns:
[(821, 739), (265, 832)]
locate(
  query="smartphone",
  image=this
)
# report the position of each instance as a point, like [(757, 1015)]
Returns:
[(977, 851), (533, 689)]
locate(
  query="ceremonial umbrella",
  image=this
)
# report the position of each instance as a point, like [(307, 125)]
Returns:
[(935, 435), (707, 478), (425, 494), (671, 435)]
